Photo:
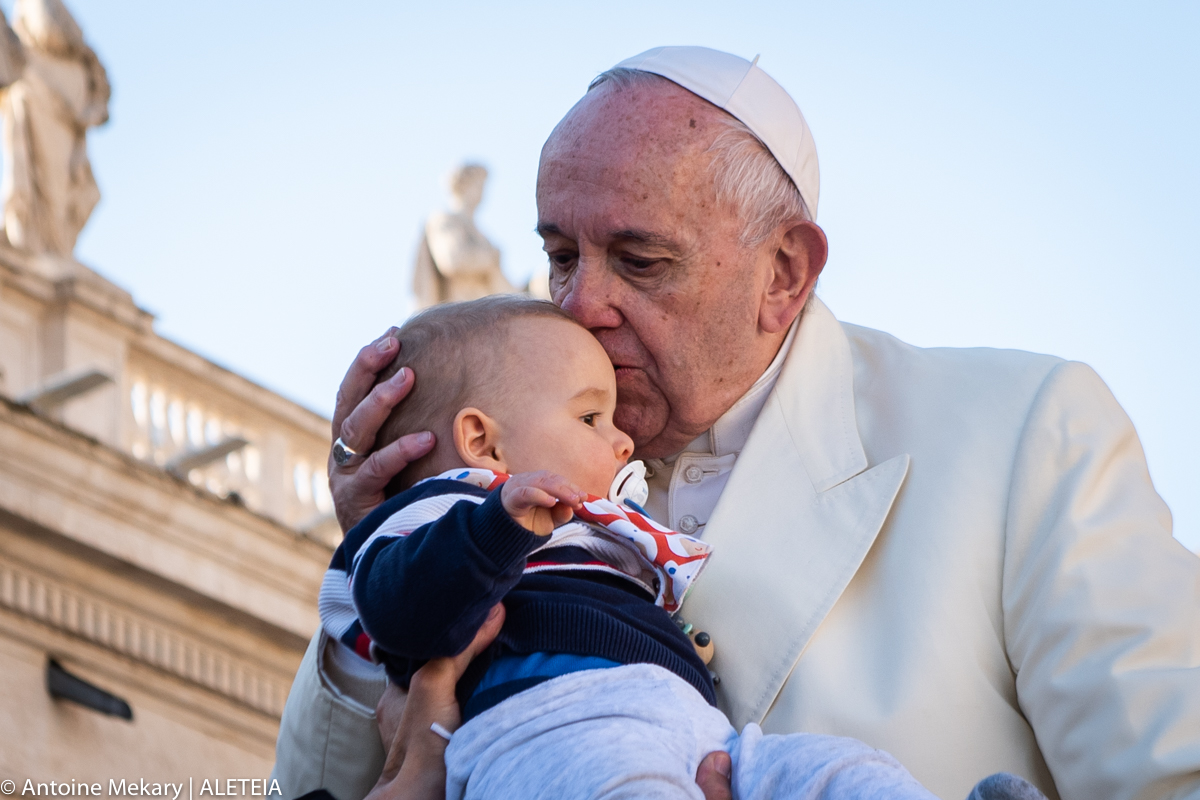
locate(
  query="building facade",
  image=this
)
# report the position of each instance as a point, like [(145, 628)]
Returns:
[(164, 528)]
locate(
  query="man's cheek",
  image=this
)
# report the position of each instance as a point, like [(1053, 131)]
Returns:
[(642, 411), (635, 388)]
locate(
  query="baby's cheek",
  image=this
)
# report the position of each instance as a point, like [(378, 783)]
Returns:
[(601, 476)]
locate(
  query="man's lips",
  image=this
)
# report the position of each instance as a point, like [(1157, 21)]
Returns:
[(627, 361), (624, 352)]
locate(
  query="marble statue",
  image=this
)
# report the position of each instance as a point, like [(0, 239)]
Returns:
[(455, 261), (54, 89)]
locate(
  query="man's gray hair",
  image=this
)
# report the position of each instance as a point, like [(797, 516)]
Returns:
[(745, 174)]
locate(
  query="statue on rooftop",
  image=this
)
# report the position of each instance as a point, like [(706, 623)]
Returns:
[(455, 261), (53, 89)]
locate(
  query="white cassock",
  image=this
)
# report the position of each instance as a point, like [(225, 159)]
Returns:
[(954, 555)]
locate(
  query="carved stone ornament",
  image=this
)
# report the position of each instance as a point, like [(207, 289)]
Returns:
[(52, 89), (455, 261)]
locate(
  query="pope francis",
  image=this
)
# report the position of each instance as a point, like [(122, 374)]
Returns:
[(954, 555)]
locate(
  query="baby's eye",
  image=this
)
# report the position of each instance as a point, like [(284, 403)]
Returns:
[(589, 419)]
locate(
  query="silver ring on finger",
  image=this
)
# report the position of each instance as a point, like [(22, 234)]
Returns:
[(343, 454)]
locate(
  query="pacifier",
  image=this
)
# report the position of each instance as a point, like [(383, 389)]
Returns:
[(630, 484)]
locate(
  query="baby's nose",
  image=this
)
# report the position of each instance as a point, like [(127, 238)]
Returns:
[(623, 446)]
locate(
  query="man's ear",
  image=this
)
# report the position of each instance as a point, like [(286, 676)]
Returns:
[(477, 440), (798, 260)]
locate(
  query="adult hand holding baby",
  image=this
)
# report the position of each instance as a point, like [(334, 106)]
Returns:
[(415, 768), (358, 485)]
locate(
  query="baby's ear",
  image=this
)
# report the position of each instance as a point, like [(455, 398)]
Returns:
[(477, 439)]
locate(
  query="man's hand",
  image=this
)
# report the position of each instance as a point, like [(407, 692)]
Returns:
[(415, 768), (713, 776), (540, 501), (389, 713), (357, 417)]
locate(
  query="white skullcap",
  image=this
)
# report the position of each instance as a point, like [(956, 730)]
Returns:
[(739, 87)]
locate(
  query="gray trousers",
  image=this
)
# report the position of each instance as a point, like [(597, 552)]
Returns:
[(639, 731)]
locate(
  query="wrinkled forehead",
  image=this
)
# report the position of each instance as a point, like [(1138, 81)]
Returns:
[(652, 119), (631, 144)]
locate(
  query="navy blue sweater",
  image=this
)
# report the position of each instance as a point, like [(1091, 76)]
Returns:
[(425, 595)]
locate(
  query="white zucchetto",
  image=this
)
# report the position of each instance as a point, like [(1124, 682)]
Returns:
[(740, 88)]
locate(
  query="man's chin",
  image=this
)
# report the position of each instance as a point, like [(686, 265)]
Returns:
[(642, 417), (640, 429), (647, 426)]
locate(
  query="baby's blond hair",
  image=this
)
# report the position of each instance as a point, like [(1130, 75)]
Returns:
[(456, 351)]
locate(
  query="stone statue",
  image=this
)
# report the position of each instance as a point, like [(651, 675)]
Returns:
[(454, 260), (55, 89)]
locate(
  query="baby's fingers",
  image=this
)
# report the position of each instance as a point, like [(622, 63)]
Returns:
[(540, 501), (556, 485), (518, 499), (561, 514)]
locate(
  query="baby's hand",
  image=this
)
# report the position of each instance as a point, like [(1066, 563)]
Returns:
[(540, 501)]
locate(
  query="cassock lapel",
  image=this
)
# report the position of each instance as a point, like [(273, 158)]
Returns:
[(797, 517)]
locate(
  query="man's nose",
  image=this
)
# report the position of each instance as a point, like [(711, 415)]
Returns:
[(589, 294)]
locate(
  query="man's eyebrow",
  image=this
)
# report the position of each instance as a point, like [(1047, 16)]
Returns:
[(649, 238)]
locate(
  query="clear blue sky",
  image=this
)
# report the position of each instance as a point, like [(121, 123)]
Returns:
[(1016, 176)]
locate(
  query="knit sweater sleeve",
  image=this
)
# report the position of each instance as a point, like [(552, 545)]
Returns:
[(425, 595)]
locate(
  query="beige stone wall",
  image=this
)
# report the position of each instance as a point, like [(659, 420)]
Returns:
[(190, 596), (172, 735)]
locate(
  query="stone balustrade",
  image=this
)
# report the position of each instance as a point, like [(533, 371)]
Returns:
[(164, 403), (165, 525)]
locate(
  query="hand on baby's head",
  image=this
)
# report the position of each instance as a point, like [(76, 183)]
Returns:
[(511, 385), (540, 501)]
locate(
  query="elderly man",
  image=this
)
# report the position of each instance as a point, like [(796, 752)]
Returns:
[(954, 555)]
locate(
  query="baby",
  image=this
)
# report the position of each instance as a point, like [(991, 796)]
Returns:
[(590, 690)]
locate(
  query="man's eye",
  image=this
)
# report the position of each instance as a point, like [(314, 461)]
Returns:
[(589, 419), (638, 264), (562, 261)]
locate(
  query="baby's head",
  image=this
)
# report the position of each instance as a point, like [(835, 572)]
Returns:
[(511, 384)]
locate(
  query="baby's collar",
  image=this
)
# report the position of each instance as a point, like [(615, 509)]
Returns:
[(628, 487)]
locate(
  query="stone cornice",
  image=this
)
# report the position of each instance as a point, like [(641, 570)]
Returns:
[(57, 281), (52, 279), (61, 481), (142, 638)]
